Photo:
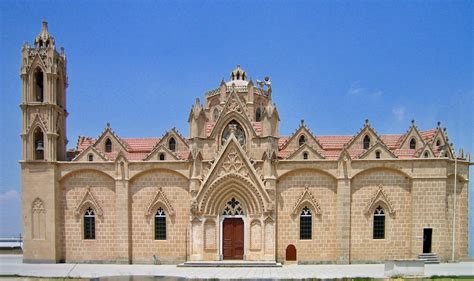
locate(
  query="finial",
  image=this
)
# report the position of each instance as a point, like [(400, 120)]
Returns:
[(302, 122), (45, 25), (197, 101), (413, 122), (366, 121), (108, 125), (439, 124), (62, 51)]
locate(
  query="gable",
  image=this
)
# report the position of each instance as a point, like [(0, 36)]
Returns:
[(117, 143), (158, 150), (305, 148), (181, 144), (90, 150), (293, 143), (385, 153), (357, 142), (412, 134)]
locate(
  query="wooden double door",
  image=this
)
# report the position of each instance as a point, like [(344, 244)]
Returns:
[(233, 239)]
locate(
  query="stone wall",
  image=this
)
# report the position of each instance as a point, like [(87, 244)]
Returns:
[(74, 246), (143, 189), (396, 244), (322, 246)]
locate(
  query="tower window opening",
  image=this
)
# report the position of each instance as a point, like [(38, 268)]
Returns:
[(39, 144), (39, 87), (162, 156), (305, 155), (413, 144), (438, 142), (90, 157), (258, 115), (108, 145), (366, 142), (172, 144)]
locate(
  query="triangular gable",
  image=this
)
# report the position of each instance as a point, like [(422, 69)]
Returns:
[(159, 198), (370, 153), (88, 199), (426, 149), (378, 197), (37, 61), (171, 133), (154, 154), (305, 198), (233, 160), (83, 155), (233, 107), (357, 140), (293, 140), (108, 133), (38, 122), (412, 133), (344, 155), (312, 153)]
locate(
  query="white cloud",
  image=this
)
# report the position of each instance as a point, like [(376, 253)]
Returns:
[(399, 113), (357, 91), (8, 195)]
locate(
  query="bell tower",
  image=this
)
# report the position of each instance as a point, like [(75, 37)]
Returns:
[(43, 102)]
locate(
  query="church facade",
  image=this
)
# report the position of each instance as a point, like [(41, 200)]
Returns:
[(233, 188)]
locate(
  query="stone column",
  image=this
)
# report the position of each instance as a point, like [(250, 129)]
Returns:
[(343, 220), (122, 221)]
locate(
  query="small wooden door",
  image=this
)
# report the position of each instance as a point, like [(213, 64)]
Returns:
[(427, 233), (233, 239), (291, 253)]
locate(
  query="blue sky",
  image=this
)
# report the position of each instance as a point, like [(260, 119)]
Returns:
[(139, 65)]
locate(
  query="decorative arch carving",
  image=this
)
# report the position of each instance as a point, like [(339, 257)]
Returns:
[(377, 198), (159, 198), (88, 200), (38, 219), (38, 206), (306, 198), (40, 122)]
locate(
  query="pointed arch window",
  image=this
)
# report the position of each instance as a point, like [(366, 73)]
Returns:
[(239, 133), (426, 154), (379, 223), (306, 224), (39, 144), (377, 154), (302, 140), (90, 157), (305, 155), (413, 143), (162, 156), (160, 224), (108, 145), (89, 224), (258, 115), (172, 144), (438, 142), (39, 86), (215, 115), (366, 142)]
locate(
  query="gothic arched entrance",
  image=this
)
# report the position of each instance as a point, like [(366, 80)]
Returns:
[(233, 239)]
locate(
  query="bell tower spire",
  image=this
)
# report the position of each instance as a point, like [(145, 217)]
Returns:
[(43, 104)]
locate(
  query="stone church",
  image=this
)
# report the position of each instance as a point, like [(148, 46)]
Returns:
[(233, 188)]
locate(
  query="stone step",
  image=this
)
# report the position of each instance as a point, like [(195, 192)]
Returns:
[(429, 258), (230, 264)]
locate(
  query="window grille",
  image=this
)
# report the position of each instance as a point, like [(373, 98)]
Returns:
[(306, 227), (379, 223), (160, 224), (89, 224), (233, 208)]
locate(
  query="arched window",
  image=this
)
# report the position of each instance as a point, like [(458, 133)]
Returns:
[(90, 157), (306, 225), (39, 87), (379, 223), (215, 114), (238, 132), (426, 154), (233, 208), (413, 144), (305, 155), (302, 140), (366, 142), (162, 156), (377, 154), (438, 142), (39, 144), (258, 115), (108, 145), (160, 224), (89, 224), (172, 144)]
